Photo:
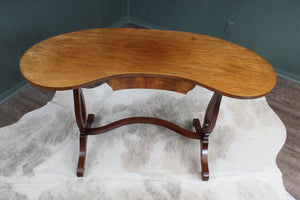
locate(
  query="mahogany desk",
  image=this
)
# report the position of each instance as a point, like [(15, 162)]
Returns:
[(139, 58)]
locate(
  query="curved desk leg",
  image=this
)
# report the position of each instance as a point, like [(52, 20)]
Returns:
[(210, 119), (83, 124)]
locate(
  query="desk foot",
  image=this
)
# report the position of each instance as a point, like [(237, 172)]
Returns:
[(204, 160), (82, 155)]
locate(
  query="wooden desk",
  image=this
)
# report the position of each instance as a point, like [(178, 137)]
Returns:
[(139, 58)]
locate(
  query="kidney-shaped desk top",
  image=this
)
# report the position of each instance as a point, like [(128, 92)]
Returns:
[(77, 59), (139, 58)]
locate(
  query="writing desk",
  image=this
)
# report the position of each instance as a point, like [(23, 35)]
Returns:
[(141, 58)]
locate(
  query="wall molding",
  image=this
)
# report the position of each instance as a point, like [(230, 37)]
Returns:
[(139, 22), (287, 75), (12, 91), (119, 23)]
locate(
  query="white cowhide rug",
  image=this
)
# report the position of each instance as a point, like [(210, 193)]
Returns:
[(39, 153)]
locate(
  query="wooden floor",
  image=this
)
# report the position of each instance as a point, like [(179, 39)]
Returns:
[(284, 99)]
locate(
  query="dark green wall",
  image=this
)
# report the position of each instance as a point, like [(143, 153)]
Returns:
[(269, 27), (26, 22)]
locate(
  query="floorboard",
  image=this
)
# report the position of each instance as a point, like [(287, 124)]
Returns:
[(285, 101)]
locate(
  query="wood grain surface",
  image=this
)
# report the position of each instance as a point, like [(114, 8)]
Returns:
[(77, 59)]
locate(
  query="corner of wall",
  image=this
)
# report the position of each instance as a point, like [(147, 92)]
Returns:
[(119, 23), (128, 8), (145, 24)]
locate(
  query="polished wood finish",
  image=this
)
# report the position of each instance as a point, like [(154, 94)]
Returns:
[(210, 119), (151, 82), (143, 120), (79, 107), (82, 147), (212, 113), (77, 59), (83, 124), (201, 134)]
